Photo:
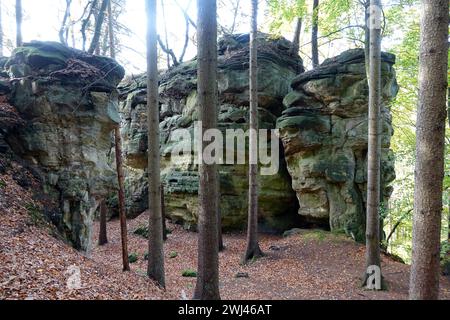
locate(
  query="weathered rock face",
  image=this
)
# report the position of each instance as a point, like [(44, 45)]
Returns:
[(68, 100), (324, 131), (178, 93)]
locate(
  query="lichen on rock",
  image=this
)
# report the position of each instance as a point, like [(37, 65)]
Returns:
[(325, 134), (68, 100), (178, 98)]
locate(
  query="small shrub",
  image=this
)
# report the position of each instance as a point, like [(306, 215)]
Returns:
[(189, 273), (36, 217), (142, 231), (173, 255), (2, 184), (133, 258)]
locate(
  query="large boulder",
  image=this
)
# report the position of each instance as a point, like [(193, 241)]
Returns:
[(178, 97), (68, 100), (325, 135)]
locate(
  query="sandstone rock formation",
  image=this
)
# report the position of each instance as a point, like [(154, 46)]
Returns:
[(68, 100), (178, 94), (324, 132)]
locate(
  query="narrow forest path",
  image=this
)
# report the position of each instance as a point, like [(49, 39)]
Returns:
[(312, 265)]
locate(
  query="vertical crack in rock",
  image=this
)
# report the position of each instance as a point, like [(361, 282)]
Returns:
[(327, 160), (178, 93)]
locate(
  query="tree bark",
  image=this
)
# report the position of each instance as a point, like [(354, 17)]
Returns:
[(122, 214), (207, 287), (19, 40), (314, 35), (112, 45), (156, 250), (374, 153), (103, 235), (367, 37), (85, 21), (430, 139), (219, 217), (98, 27), (253, 250), (296, 41), (163, 213)]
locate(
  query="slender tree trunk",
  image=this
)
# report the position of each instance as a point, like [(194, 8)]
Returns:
[(166, 37), (19, 40), (253, 250), (98, 27), (163, 213), (315, 34), (207, 287), (122, 214), (103, 235), (64, 25), (367, 37), (219, 217), (429, 172), (85, 22), (156, 250), (112, 45), (374, 152), (1, 29), (236, 11), (296, 41)]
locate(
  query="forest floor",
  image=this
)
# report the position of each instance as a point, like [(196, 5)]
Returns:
[(311, 265), (34, 264)]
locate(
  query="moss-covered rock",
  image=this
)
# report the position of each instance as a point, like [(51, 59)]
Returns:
[(178, 95), (324, 131), (68, 101)]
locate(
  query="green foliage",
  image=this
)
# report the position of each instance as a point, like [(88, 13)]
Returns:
[(142, 231), (2, 184), (35, 215), (189, 273), (133, 258), (173, 255)]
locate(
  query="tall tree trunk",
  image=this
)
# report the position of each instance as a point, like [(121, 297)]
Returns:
[(374, 152), (1, 29), (315, 34), (98, 27), (163, 213), (296, 41), (19, 40), (166, 37), (64, 25), (112, 45), (156, 250), (236, 11), (122, 214), (207, 287), (103, 234), (219, 219), (367, 37), (429, 171), (85, 22), (253, 250)]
